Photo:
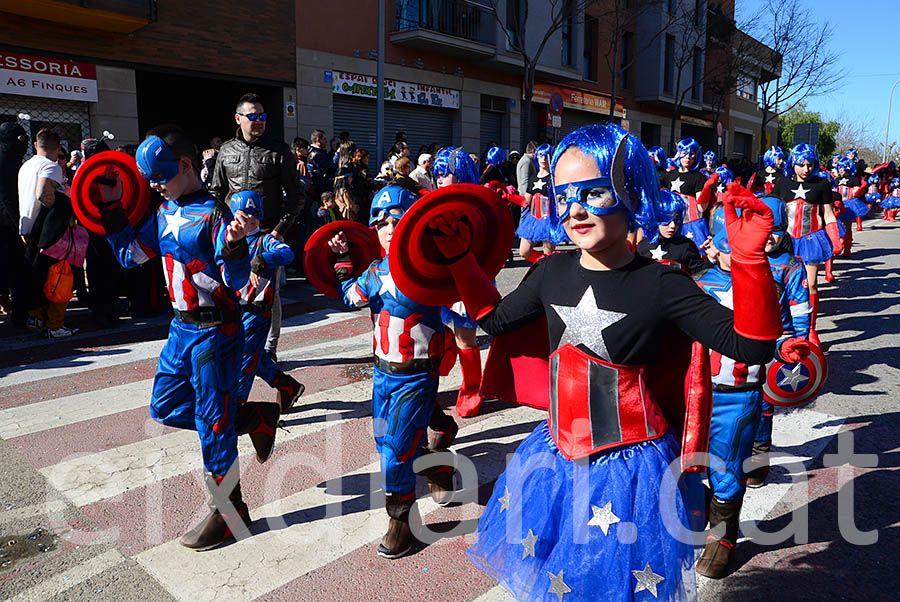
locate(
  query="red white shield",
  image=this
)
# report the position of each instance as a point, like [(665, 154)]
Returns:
[(792, 385)]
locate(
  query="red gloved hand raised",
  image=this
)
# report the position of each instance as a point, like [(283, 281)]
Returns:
[(834, 234), (756, 311), (705, 195), (793, 350), (452, 235)]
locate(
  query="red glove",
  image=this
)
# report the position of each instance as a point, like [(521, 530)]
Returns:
[(756, 309), (793, 350), (453, 238), (835, 235), (706, 194), (861, 191)]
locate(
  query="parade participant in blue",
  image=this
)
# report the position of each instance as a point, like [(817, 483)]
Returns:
[(453, 166), (409, 344), (852, 190), (535, 225), (493, 160), (790, 282), (690, 183), (580, 497), (873, 195), (737, 408), (811, 221), (858, 164), (206, 259), (891, 203), (660, 160), (764, 180), (667, 245), (267, 253), (710, 163)]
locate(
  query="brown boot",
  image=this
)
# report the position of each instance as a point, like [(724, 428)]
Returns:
[(440, 484), (288, 391), (759, 465), (724, 519), (259, 420), (398, 540), (443, 430), (214, 530)]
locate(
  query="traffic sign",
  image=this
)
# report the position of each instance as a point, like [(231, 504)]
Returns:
[(556, 104)]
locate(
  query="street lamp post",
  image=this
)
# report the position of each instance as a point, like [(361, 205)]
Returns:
[(887, 128)]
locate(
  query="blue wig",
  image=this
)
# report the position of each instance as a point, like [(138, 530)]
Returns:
[(659, 157), (772, 155), (895, 183), (639, 191), (846, 164), (671, 163), (710, 156), (457, 162), (671, 208), (874, 179), (495, 156), (725, 175), (544, 150), (853, 152), (826, 175), (801, 154), (834, 161), (688, 147)]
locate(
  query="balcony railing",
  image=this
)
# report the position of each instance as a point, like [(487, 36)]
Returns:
[(460, 18)]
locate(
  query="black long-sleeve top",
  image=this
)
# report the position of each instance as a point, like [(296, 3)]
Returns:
[(619, 315)]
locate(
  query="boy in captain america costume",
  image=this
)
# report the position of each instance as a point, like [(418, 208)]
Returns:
[(793, 294), (737, 409), (694, 188), (408, 345), (206, 260), (267, 253)]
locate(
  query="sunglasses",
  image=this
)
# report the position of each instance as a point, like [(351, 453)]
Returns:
[(254, 116)]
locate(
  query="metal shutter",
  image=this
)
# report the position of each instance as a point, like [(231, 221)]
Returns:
[(69, 117), (491, 129), (423, 125), (572, 120)]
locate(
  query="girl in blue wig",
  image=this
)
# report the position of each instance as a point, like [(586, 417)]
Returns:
[(492, 172), (852, 190), (891, 203), (774, 168), (694, 187), (667, 244), (587, 503), (710, 163), (535, 226), (660, 160), (873, 195), (454, 166), (812, 223)]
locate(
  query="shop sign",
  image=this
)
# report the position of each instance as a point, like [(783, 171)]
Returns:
[(574, 99), (47, 78), (354, 84)]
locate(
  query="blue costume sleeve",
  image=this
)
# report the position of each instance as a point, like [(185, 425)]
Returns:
[(356, 292), (796, 310), (275, 252), (134, 248), (235, 272)]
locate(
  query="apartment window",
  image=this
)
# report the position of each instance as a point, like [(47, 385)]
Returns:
[(698, 74), (590, 50), (746, 87), (668, 65), (626, 57), (568, 34), (671, 4), (513, 16)]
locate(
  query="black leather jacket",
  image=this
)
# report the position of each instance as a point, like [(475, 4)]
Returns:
[(267, 167)]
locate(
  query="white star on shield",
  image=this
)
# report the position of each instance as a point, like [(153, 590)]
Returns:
[(586, 322), (792, 378)]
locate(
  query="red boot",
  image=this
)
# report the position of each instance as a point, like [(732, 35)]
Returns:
[(468, 402), (858, 224), (848, 240), (813, 335), (829, 274)]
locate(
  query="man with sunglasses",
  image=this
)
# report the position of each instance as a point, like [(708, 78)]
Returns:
[(253, 161)]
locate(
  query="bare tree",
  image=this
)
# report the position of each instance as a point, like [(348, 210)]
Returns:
[(809, 67), (514, 25), (690, 32)]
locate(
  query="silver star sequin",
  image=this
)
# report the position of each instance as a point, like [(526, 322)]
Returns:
[(528, 544), (647, 580), (792, 378), (676, 184), (770, 178), (571, 191), (585, 323), (557, 585), (800, 192), (504, 500), (603, 517), (657, 253)]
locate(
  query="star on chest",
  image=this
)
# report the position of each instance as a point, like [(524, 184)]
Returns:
[(585, 323), (770, 178), (540, 183), (175, 223), (720, 189), (842, 182), (800, 192), (725, 296), (387, 285), (658, 253), (676, 184)]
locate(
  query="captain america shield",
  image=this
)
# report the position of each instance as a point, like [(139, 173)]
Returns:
[(792, 385)]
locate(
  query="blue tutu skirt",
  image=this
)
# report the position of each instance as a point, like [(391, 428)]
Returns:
[(890, 202), (815, 248), (533, 228), (854, 208), (697, 231), (591, 524)]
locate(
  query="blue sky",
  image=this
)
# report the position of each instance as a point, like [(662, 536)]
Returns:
[(866, 41)]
